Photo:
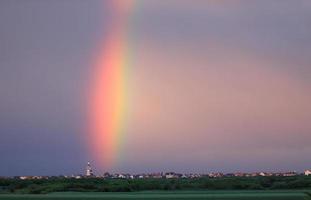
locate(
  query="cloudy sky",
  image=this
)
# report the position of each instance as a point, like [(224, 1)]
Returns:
[(213, 85)]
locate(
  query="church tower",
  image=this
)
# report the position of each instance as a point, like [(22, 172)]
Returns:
[(89, 171)]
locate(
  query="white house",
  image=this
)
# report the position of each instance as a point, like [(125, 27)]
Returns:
[(308, 172)]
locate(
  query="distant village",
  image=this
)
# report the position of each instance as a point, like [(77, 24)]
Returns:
[(164, 175)]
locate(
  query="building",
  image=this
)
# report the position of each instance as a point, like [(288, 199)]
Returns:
[(89, 171), (170, 175), (308, 172), (289, 174)]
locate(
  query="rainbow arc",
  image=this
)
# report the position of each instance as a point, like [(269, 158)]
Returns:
[(108, 101)]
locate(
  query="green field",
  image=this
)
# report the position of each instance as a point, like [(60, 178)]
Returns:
[(217, 195)]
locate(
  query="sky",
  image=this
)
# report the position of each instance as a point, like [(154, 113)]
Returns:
[(211, 85)]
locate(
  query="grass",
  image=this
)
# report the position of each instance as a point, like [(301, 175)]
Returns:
[(155, 195)]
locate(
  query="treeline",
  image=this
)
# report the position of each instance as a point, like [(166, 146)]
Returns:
[(128, 185)]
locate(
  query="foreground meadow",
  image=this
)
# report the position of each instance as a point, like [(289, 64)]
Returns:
[(154, 195)]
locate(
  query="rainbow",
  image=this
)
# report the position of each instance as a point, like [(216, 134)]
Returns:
[(108, 99)]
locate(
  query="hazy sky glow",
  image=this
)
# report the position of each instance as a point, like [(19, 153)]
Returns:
[(215, 85)]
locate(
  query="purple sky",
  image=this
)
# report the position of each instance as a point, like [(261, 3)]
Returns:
[(215, 85)]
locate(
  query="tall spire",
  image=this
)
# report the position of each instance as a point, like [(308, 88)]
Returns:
[(89, 171)]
